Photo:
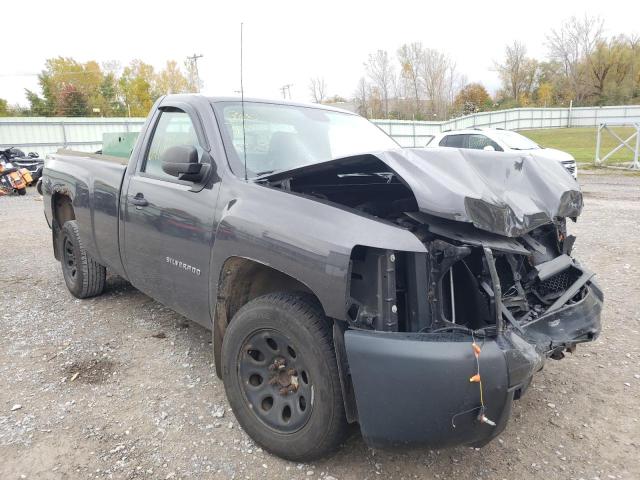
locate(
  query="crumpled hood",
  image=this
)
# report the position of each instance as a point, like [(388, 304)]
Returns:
[(504, 193)]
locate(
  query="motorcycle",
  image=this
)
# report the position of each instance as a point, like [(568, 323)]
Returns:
[(31, 162), (12, 180)]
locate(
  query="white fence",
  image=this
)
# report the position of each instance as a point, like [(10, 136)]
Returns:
[(416, 134), (45, 135)]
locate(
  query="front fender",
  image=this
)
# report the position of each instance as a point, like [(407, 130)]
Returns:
[(309, 240)]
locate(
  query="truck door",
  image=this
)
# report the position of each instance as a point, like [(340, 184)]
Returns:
[(168, 223)]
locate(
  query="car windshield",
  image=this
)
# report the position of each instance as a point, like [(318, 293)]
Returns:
[(282, 137), (515, 141)]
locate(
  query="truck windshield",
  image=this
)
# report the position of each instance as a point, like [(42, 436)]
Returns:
[(282, 137)]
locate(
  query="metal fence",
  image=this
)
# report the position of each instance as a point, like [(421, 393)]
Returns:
[(416, 134), (45, 135)]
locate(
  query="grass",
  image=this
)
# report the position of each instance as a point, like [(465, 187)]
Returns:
[(581, 142)]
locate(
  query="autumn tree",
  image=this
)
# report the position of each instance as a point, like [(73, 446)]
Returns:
[(171, 80), (517, 72), (472, 98), (318, 89), (72, 102), (136, 84), (544, 94), (70, 87)]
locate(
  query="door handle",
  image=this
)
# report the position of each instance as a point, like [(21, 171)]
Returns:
[(139, 200)]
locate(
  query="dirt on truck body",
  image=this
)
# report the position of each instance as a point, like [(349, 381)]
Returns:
[(344, 279)]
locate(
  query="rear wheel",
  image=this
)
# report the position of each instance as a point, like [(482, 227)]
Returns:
[(281, 378), (22, 191), (83, 275)]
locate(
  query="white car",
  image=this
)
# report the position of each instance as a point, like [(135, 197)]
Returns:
[(501, 141)]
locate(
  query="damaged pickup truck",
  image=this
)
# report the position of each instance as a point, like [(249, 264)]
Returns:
[(344, 279)]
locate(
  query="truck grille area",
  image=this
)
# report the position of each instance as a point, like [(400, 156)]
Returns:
[(557, 284)]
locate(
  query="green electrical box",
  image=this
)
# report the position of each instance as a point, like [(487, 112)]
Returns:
[(118, 144)]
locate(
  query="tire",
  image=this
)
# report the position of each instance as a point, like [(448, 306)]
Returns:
[(22, 191), (312, 393), (83, 275)]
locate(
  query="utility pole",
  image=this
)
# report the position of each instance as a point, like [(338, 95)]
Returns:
[(194, 65), (286, 89)]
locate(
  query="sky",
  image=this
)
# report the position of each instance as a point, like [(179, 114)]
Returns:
[(285, 42)]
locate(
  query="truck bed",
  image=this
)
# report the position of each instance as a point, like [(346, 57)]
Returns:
[(94, 182)]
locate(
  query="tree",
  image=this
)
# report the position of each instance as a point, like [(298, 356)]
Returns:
[(380, 71), (361, 97), (545, 94), (171, 80), (571, 45), (472, 98), (610, 59), (410, 57), (137, 83), (72, 102), (517, 72), (440, 81), (318, 89), (4, 108)]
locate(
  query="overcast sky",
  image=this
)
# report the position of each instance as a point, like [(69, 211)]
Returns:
[(285, 42)]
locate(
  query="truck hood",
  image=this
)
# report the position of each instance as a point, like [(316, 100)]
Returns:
[(504, 193)]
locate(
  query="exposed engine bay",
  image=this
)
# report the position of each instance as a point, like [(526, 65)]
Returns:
[(498, 252)]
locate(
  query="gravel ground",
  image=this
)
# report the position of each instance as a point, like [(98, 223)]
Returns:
[(121, 387)]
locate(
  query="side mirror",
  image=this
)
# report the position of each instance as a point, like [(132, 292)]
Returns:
[(489, 148), (182, 161)]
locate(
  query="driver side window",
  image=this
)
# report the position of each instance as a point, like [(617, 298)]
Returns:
[(173, 128)]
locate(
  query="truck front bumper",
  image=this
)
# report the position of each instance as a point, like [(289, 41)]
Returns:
[(414, 388)]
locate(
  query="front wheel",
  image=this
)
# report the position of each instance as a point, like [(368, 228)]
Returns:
[(83, 275), (281, 377)]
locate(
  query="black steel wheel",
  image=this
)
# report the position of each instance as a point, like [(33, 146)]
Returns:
[(276, 383), (83, 275), (69, 264), (281, 376)]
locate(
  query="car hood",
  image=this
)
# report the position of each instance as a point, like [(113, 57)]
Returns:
[(504, 193), (552, 154)]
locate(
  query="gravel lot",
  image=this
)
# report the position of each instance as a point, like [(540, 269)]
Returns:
[(120, 387)]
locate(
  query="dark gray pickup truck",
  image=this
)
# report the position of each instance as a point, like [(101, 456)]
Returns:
[(345, 279)]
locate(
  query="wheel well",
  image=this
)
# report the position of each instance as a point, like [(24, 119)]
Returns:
[(62, 211), (242, 280)]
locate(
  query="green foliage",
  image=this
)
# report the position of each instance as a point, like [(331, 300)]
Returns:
[(4, 108), (71, 88), (73, 102)]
